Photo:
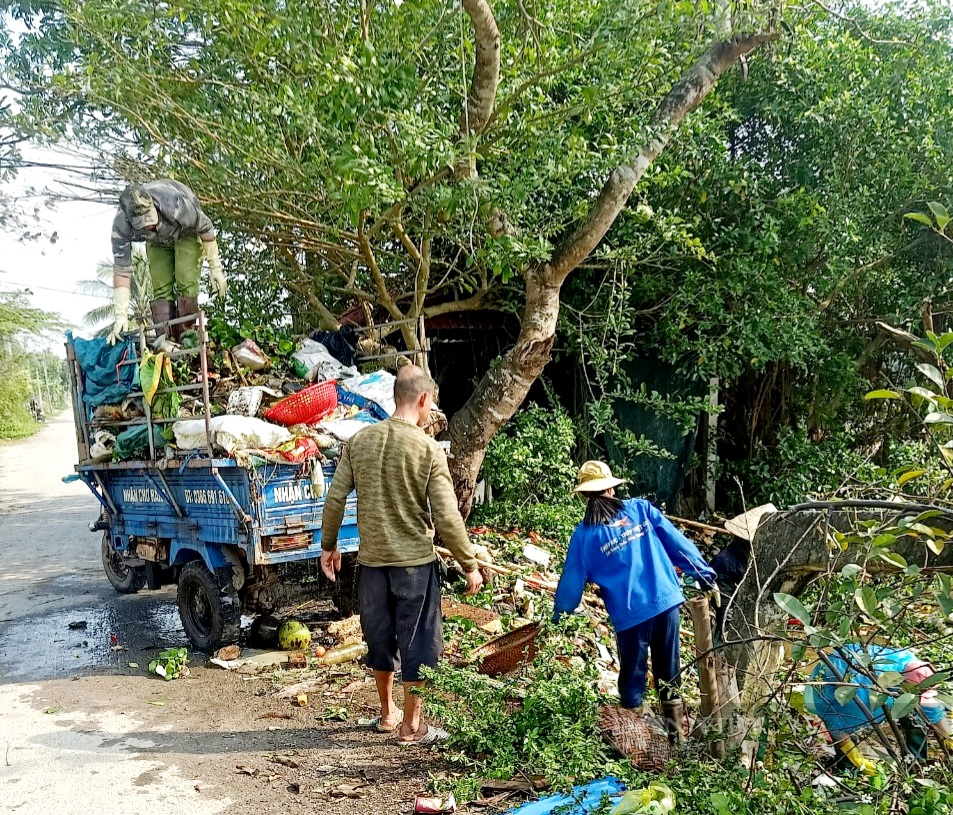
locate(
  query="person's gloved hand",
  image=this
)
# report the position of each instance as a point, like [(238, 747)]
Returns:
[(121, 297), (217, 280), (858, 759)]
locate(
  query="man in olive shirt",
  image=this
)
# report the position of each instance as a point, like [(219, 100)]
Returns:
[(404, 492)]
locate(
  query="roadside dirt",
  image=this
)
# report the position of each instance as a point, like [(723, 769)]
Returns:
[(228, 736)]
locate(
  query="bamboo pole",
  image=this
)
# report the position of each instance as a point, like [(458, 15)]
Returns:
[(707, 678)]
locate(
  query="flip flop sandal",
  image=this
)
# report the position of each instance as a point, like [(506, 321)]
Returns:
[(432, 736), (381, 728)]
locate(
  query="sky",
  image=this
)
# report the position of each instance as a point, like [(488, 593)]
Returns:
[(49, 272)]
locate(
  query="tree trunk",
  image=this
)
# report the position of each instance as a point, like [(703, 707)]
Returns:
[(504, 387)]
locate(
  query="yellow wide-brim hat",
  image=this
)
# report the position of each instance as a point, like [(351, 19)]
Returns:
[(595, 476)]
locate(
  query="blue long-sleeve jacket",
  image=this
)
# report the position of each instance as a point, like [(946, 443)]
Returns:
[(633, 561)]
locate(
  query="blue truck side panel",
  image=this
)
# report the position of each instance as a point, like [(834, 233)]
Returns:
[(198, 507)]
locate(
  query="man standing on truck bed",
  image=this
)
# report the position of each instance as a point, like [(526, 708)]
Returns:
[(168, 217), (404, 491)]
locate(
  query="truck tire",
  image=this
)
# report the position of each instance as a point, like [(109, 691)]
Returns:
[(124, 579), (345, 596), (210, 613)]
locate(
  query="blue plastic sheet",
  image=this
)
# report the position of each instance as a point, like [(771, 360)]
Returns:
[(582, 799), (848, 718), (105, 381)]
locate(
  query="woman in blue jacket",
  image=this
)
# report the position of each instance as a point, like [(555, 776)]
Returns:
[(630, 551)]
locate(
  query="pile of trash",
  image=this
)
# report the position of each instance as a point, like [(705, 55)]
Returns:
[(256, 413)]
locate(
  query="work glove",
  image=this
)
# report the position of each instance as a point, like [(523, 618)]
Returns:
[(860, 761), (713, 593), (217, 280), (121, 297)]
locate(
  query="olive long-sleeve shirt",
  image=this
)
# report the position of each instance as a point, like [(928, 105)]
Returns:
[(404, 493)]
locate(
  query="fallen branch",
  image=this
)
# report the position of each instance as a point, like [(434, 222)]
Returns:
[(698, 525)]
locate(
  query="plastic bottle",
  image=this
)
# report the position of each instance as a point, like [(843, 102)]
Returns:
[(344, 653)]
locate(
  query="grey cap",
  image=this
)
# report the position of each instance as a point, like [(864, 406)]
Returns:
[(139, 207)]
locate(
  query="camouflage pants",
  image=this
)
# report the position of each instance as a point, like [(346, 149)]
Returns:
[(175, 270)]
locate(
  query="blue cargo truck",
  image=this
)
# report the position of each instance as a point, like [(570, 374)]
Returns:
[(235, 539)]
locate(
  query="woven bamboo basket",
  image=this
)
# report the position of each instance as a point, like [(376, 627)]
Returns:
[(641, 738), (507, 653)]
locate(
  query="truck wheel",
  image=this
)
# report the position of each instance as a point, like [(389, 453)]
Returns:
[(346, 597), (124, 579), (210, 613)]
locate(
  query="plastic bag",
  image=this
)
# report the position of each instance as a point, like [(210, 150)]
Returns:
[(103, 446), (344, 429), (315, 363), (377, 387), (248, 353), (247, 401), (655, 799), (230, 433)]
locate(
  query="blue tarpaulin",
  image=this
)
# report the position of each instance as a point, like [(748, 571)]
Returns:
[(105, 381), (580, 801)]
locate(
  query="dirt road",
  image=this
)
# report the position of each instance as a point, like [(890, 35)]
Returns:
[(84, 728)]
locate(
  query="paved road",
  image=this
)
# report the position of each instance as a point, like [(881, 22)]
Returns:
[(89, 758)]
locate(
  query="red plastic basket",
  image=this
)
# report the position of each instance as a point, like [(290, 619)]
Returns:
[(307, 406)]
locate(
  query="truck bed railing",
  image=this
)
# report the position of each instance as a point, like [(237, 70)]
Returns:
[(87, 424)]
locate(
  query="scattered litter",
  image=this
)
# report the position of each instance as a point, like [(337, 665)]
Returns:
[(301, 700), (292, 691), (536, 554), (347, 630), (157, 703), (344, 653), (276, 716), (334, 714), (285, 761), (52, 710), (294, 636), (348, 791), (297, 660), (655, 799), (320, 651), (228, 653), (77, 625), (435, 805), (133, 664), (241, 769), (248, 353)]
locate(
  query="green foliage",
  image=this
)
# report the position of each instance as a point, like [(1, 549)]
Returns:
[(170, 664), (530, 460), (547, 728), (796, 469), (24, 371)]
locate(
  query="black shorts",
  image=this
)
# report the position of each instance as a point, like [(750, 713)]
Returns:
[(400, 618)]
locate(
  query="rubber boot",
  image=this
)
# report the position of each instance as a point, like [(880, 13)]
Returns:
[(674, 713), (186, 307), (162, 311)]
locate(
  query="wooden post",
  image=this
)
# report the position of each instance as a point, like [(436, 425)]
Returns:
[(707, 677)]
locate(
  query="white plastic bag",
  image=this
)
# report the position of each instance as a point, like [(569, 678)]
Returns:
[(378, 387), (314, 362), (246, 401), (344, 429), (230, 433)]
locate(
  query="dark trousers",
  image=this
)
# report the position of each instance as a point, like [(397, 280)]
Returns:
[(658, 634), (400, 618)]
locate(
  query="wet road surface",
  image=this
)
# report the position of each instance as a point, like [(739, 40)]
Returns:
[(58, 614)]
